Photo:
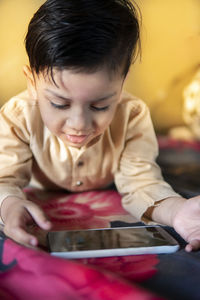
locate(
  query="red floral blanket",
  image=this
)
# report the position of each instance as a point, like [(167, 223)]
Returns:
[(27, 274)]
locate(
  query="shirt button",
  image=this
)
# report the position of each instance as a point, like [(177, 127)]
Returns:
[(80, 164), (78, 183)]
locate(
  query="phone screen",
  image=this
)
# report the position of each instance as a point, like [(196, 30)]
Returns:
[(114, 238)]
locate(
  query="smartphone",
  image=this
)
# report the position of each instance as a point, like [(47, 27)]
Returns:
[(119, 241)]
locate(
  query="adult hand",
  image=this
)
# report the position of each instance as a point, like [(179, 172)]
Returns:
[(17, 214)]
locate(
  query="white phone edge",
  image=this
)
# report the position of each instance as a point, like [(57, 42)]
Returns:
[(117, 252)]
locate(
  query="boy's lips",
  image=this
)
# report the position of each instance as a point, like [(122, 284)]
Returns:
[(76, 139)]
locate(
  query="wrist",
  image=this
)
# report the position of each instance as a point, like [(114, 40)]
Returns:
[(166, 211), (176, 208)]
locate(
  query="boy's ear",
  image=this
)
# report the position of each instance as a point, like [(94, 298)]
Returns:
[(127, 75), (30, 82)]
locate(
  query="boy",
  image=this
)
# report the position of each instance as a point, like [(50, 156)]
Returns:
[(75, 129)]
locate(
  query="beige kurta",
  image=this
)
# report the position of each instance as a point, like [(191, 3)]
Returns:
[(125, 154)]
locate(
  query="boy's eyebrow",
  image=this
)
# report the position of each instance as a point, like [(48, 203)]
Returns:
[(68, 99)]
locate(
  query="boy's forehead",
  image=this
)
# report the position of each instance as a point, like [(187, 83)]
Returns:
[(74, 87), (59, 77)]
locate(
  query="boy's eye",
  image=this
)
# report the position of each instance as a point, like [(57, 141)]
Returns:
[(95, 108), (60, 106), (65, 106)]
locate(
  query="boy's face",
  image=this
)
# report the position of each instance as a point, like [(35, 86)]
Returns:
[(80, 107)]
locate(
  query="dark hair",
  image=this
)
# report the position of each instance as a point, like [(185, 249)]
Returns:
[(83, 35)]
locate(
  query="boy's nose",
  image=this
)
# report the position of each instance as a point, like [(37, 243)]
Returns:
[(78, 123)]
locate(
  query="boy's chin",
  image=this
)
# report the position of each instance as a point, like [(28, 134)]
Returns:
[(75, 145)]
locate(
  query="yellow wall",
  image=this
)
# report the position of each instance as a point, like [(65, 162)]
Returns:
[(14, 19), (170, 52)]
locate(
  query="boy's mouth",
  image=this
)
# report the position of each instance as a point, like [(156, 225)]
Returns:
[(76, 139)]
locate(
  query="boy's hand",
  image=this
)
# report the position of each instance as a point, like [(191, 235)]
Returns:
[(186, 222), (17, 214), (183, 215)]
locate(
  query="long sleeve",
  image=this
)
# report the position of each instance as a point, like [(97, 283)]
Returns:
[(15, 154), (139, 178)]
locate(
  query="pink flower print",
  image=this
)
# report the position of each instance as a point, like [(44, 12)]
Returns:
[(93, 209), (134, 267), (37, 275)]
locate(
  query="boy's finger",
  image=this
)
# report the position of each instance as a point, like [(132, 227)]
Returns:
[(39, 216), (193, 245), (22, 237)]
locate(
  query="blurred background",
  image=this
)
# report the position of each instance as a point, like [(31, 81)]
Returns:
[(170, 54)]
